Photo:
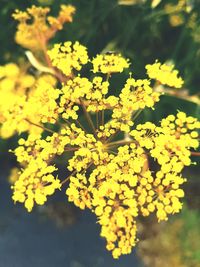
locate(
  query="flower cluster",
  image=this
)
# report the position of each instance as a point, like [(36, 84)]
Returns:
[(36, 181), (136, 95), (23, 98), (35, 28), (179, 12), (109, 63), (76, 56), (169, 146), (109, 192), (14, 85), (113, 177), (165, 74)]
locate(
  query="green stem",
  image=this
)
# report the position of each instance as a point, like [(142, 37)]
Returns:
[(79, 123), (137, 113), (112, 136), (87, 115), (97, 119), (121, 142)]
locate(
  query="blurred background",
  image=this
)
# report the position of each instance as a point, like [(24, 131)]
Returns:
[(58, 234)]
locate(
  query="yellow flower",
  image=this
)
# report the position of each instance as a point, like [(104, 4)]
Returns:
[(68, 57), (24, 98), (106, 172), (165, 74), (109, 63), (35, 28)]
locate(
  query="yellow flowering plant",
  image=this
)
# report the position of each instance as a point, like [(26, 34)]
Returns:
[(17, 84), (117, 169), (36, 28)]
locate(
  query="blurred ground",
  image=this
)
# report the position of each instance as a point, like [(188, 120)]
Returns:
[(33, 240)]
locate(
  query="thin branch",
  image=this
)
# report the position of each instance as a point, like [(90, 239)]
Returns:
[(121, 142), (137, 113), (68, 177), (74, 172), (97, 119), (71, 149), (79, 123), (87, 115), (112, 136), (40, 126), (195, 153)]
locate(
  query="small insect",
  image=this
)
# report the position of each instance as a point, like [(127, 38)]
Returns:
[(32, 70), (110, 53)]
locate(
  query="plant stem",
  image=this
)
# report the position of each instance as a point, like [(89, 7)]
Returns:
[(195, 153), (74, 172), (71, 149), (112, 136), (79, 123), (87, 115), (68, 177), (40, 126), (121, 142), (103, 112), (136, 114), (97, 119)]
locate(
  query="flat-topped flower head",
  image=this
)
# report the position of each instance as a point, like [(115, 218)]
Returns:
[(68, 57), (165, 74), (109, 63)]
